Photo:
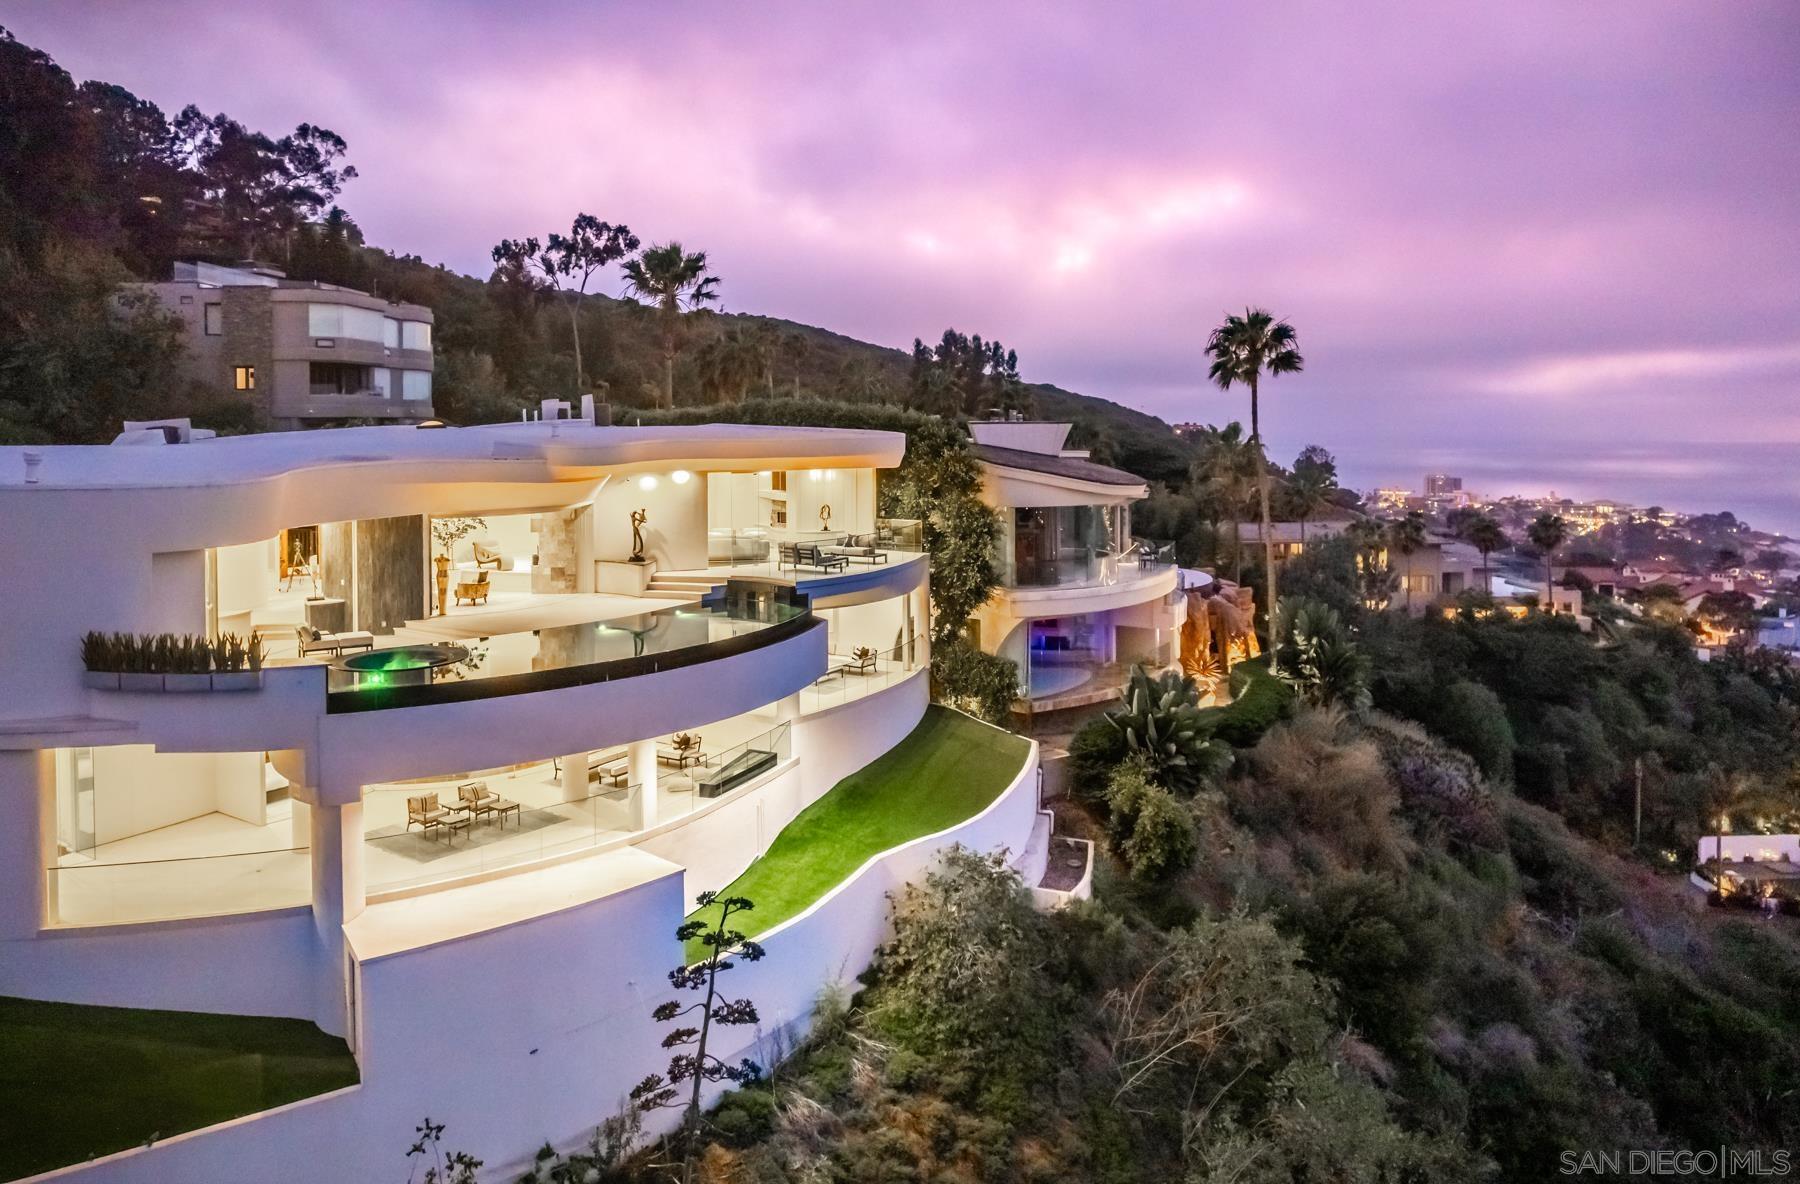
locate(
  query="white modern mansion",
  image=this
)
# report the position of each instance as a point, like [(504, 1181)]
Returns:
[(527, 689), (1080, 599)]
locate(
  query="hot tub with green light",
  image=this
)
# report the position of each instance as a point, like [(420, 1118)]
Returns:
[(400, 666)]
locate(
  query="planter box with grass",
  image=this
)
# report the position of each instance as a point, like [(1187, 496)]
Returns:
[(170, 663)]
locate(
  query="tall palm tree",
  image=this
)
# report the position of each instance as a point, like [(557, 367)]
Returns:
[(1547, 532), (1406, 536), (671, 280), (1242, 350), (1486, 536)]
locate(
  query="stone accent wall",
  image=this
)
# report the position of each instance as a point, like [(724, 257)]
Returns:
[(558, 550), (248, 340)]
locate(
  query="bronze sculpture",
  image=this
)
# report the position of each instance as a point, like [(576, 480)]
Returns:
[(638, 518)]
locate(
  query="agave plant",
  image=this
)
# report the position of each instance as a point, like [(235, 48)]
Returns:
[(1162, 722)]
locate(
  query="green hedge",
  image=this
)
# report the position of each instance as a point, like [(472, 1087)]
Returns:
[(1258, 700)]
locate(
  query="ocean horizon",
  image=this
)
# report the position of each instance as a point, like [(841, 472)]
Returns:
[(1760, 483)]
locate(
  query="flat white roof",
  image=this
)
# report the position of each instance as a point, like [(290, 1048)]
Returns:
[(566, 446)]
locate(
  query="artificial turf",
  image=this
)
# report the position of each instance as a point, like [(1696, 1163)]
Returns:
[(946, 770), (78, 1082)]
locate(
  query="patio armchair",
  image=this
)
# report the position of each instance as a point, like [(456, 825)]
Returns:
[(487, 555), (474, 796), (474, 591), (862, 661), (424, 812)]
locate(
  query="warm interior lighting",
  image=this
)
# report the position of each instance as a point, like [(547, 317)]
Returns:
[(680, 476), (647, 482), (815, 474)]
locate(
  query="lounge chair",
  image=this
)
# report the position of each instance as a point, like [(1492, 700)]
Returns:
[(488, 555), (681, 751), (799, 555), (862, 661), (312, 641)]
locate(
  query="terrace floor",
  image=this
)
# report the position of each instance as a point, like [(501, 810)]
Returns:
[(946, 771), (78, 1082)]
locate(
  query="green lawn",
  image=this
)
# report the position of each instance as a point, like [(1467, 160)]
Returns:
[(946, 770), (78, 1081)]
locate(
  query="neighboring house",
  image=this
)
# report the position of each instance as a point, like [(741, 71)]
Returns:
[(1079, 600), (466, 852), (1440, 570), (306, 353), (1292, 537)]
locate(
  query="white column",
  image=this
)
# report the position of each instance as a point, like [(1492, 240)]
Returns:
[(787, 709), (575, 777), (27, 840), (338, 896), (641, 757)]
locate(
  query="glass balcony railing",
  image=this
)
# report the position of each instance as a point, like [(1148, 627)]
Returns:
[(403, 855), (862, 672), (742, 615)]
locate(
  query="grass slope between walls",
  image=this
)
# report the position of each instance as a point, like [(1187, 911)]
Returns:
[(947, 770)]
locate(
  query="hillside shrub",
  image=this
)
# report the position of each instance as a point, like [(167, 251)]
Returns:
[(1151, 831), (1472, 717), (1441, 790), (1094, 752), (968, 985), (1313, 776)]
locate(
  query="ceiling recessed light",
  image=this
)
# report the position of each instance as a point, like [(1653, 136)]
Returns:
[(646, 482), (680, 476)]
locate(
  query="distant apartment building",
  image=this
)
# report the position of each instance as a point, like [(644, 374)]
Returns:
[(308, 353), (1442, 485)]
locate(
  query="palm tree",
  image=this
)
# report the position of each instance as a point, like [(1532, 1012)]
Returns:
[(1374, 578), (1547, 532), (670, 279), (1405, 536), (1228, 466), (1243, 349), (1313, 483), (1485, 535), (728, 364)]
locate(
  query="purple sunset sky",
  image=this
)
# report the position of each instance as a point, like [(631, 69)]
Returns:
[(1510, 225)]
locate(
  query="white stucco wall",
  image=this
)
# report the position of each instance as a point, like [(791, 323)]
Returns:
[(1763, 848), (836, 742)]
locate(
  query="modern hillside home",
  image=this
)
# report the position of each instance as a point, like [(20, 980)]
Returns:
[(1080, 599), (523, 691), (304, 353)]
